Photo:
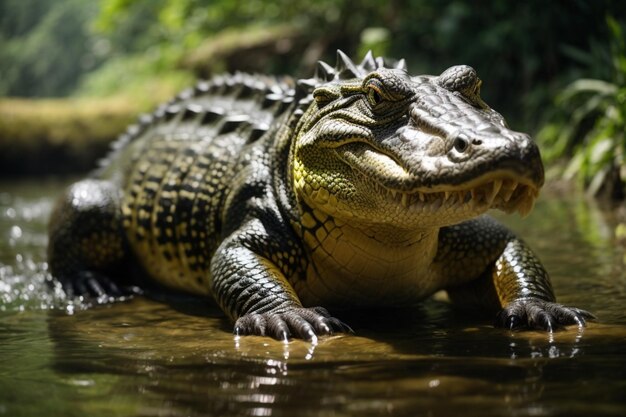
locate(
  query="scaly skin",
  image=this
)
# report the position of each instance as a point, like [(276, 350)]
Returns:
[(362, 186)]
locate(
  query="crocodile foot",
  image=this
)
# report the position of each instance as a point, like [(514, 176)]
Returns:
[(95, 286), (301, 323), (539, 314)]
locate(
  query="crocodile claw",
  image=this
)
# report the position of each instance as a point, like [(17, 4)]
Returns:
[(96, 286), (541, 315), (300, 323)]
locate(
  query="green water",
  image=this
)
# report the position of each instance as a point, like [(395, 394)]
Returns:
[(177, 357)]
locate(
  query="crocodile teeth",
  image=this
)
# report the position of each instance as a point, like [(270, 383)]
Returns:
[(506, 194), (405, 200), (497, 185), (508, 188), (475, 200), (526, 204)]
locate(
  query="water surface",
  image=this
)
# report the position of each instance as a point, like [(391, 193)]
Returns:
[(177, 356)]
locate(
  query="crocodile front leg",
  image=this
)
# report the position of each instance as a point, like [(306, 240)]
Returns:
[(515, 284), (524, 290), (249, 283)]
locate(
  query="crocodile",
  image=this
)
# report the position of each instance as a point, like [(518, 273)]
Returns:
[(360, 187)]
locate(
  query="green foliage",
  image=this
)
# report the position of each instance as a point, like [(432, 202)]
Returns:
[(186, 21), (518, 48), (592, 124), (147, 78), (375, 39), (44, 47), (130, 26)]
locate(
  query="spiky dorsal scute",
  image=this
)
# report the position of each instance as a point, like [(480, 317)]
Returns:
[(345, 69), (275, 93)]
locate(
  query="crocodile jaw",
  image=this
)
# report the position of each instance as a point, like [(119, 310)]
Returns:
[(424, 209), (369, 188), (508, 189), (491, 192)]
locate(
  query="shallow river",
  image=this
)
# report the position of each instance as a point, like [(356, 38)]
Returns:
[(177, 356)]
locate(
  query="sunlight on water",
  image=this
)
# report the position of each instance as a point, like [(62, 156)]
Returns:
[(177, 356), (25, 283), (23, 270)]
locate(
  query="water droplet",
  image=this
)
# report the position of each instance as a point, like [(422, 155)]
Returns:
[(10, 213), (16, 232)]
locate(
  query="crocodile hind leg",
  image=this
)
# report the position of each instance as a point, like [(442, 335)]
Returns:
[(87, 244)]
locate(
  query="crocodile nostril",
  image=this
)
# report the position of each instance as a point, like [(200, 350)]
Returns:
[(461, 144)]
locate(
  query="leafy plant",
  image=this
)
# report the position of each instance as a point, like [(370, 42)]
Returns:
[(594, 134), (44, 46)]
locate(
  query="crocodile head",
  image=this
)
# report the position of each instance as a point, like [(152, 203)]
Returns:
[(378, 146)]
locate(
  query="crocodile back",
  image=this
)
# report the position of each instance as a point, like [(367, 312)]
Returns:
[(176, 165)]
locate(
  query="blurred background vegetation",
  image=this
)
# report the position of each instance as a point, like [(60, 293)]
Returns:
[(73, 73)]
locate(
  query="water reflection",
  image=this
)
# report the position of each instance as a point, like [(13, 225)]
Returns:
[(176, 356), (190, 365)]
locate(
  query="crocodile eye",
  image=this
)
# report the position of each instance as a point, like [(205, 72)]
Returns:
[(375, 91), (374, 97)]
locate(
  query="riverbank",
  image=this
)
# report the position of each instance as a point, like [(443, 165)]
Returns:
[(59, 136)]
